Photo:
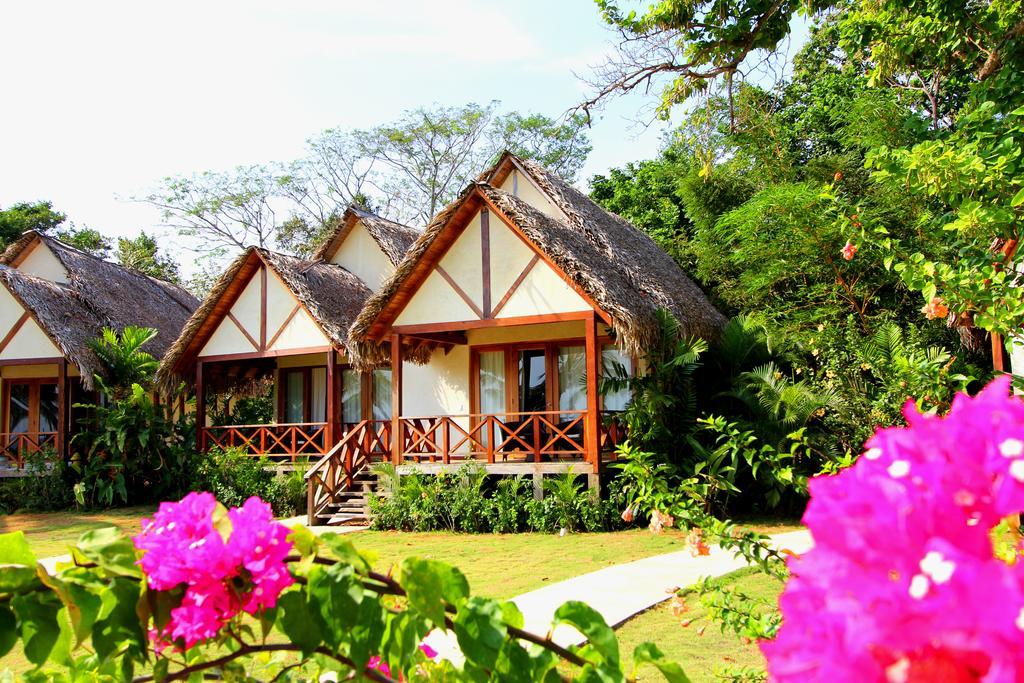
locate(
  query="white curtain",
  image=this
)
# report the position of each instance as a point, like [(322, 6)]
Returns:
[(492, 382), (572, 379), (382, 394), (610, 356), (351, 396), (294, 396), (318, 395)]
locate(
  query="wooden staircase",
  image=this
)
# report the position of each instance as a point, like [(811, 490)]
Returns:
[(340, 484)]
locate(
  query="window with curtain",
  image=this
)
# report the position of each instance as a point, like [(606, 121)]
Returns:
[(318, 395), (492, 382), (611, 359), (572, 379), (381, 409), (294, 397), (351, 396)]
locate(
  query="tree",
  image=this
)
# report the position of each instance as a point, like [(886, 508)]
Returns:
[(18, 218), (231, 209), (85, 239), (559, 146), (142, 254)]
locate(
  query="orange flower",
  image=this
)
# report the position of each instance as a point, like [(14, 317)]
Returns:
[(627, 515), (936, 308), (695, 543), (849, 251), (659, 520)]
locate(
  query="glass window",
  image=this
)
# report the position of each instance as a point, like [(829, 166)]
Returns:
[(492, 382), (613, 363), (351, 396), (381, 394), (572, 379), (318, 395), (294, 397), (532, 381), (18, 411), (48, 408)]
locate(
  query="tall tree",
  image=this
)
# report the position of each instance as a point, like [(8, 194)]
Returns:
[(87, 239), (23, 216), (143, 254)]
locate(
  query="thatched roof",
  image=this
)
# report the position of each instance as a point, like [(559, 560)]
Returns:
[(393, 238), (618, 266), (329, 293), (99, 294)]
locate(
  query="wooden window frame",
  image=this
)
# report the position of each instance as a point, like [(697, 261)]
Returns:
[(365, 391), (33, 414), (511, 350)]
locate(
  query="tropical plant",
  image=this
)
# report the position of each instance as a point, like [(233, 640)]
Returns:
[(123, 358), (294, 607)]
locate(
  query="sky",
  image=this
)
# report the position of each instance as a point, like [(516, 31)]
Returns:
[(104, 99)]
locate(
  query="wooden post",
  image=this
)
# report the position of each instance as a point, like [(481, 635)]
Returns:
[(62, 407), (396, 399), (999, 360), (332, 401), (591, 424), (200, 407)]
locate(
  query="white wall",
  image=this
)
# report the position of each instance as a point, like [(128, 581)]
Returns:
[(30, 341), (41, 262), (543, 291), (523, 187), (362, 256)]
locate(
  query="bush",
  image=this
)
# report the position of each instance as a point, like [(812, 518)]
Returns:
[(465, 501), (233, 477), (46, 486)]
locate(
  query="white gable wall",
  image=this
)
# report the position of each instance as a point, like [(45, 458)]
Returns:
[(42, 263), (519, 185), (543, 291), (360, 254), (30, 341), (297, 329)]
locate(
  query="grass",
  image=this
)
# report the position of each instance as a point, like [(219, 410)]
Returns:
[(50, 533), (700, 647), (497, 566)]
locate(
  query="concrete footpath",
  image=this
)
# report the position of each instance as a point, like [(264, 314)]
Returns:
[(623, 590)]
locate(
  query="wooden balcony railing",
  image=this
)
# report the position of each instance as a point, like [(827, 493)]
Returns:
[(505, 437), (362, 444), (18, 445), (279, 441)]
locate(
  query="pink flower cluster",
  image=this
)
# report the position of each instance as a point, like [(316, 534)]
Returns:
[(246, 572), (902, 584)]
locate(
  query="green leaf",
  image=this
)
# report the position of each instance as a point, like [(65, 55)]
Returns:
[(297, 621), (111, 549), (344, 551), (365, 638), (591, 624), (8, 630), (17, 563), (37, 614), (430, 584), (648, 653), (336, 592), (480, 631), (117, 623), (1018, 198)]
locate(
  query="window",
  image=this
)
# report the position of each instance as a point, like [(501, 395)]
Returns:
[(31, 406), (532, 381), (492, 382), (381, 390), (294, 386), (613, 363), (572, 379), (351, 396)]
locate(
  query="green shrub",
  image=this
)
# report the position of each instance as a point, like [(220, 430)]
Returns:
[(233, 477), (465, 500), (46, 486)]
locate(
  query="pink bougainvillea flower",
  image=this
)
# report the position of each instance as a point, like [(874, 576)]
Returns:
[(903, 583), (849, 251), (181, 546), (378, 664), (428, 651), (935, 308), (660, 520)]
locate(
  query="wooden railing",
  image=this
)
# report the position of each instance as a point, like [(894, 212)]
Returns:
[(278, 441), (505, 437), (612, 432), (363, 444), (18, 445)]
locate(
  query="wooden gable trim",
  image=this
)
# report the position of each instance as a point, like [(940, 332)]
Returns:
[(509, 164), (345, 226), (238, 324), (442, 244), (20, 257), (15, 328), (515, 285), (27, 310), (544, 257), (298, 304), (287, 320)]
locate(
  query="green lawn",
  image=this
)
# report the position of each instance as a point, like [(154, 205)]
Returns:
[(700, 647), (50, 533)]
